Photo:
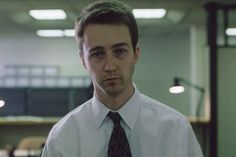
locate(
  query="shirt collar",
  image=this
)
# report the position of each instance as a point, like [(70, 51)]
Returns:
[(99, 111), (128, 112)]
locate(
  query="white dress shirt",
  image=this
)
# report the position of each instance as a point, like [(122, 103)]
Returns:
[(153, 130)]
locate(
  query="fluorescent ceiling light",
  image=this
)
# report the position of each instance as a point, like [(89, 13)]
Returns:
[(231, 31), (50, 33), (56, 33), (149, 13), (55, 14), (69, 32)]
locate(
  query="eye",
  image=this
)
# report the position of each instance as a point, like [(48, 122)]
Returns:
[(97, 54), (120, 52)]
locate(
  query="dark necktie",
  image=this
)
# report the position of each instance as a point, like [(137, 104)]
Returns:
[(118, 145)]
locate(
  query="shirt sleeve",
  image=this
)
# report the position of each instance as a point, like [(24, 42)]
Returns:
[(51, 150)]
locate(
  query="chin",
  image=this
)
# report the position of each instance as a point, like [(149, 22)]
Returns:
[(114, 91)]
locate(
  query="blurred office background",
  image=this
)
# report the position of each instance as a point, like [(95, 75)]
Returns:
[(42, 79)]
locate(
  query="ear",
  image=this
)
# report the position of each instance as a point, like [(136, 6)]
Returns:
[(136, 54), (81, 54)]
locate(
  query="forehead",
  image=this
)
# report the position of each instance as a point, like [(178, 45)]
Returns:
[(105, 35)]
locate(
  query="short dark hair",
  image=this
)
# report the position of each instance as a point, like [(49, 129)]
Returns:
[(106, 12)]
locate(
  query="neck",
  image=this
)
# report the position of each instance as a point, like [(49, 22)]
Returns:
[(115, 102)]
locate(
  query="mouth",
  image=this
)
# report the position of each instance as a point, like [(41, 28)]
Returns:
[(111, 79)]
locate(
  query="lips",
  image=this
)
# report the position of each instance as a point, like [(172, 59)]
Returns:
[(111, 79)]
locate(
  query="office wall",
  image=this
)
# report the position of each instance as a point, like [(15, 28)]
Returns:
[(28, 49), (226, 102), (163, 56)]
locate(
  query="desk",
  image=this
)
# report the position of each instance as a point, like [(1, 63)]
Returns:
[(27, 120), (21, 153)]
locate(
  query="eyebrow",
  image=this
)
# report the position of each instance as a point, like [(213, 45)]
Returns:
[(96, 48), (113, 46), (120, 44)]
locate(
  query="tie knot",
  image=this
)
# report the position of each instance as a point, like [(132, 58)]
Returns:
[(115, 117)]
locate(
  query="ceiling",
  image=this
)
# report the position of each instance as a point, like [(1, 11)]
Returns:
[(14, 15)]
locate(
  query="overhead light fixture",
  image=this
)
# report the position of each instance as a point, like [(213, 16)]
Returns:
[(2, 103), (50, 33), (54, 14), (56, 33), (231, 31), (149, 13), (178, 88), (69, 32)]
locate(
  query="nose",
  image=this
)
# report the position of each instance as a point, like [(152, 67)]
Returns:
[(109, 65)]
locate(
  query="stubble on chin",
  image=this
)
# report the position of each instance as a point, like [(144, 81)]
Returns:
[(113, 89)]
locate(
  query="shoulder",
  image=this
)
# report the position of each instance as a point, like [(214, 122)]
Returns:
[(70, 123), (160, 112), (160, 122)]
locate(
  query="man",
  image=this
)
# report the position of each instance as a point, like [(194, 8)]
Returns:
[(118, 120)]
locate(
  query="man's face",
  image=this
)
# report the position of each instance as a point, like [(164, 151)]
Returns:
[(109, 57)]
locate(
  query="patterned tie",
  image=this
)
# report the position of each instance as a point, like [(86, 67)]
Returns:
[(118, 145)]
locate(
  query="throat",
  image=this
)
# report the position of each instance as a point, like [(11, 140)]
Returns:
[(112, 101)]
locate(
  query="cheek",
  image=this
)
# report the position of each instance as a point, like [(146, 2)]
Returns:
[(93, 70), (87, 63), (131, 66)]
